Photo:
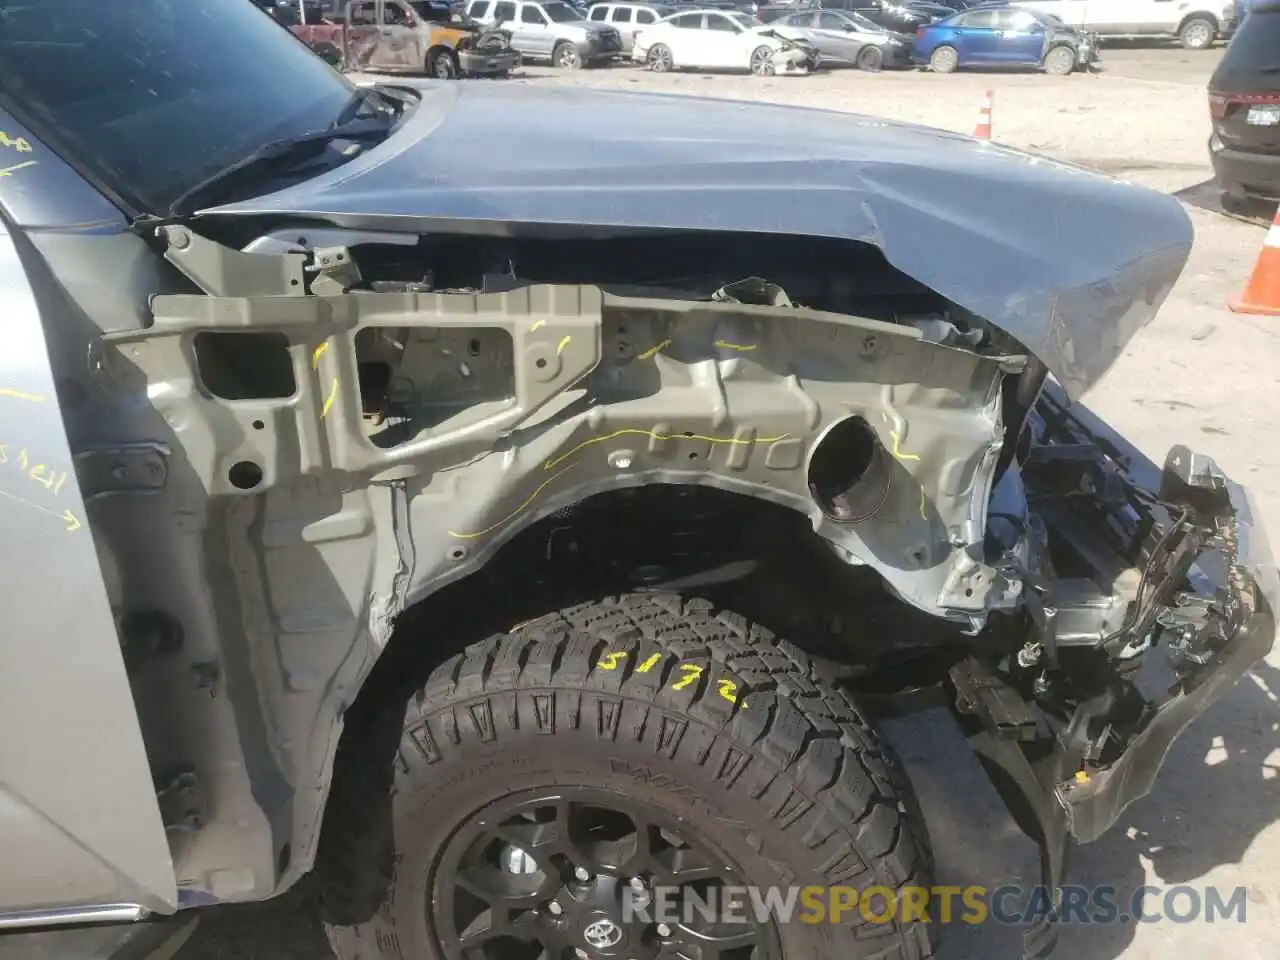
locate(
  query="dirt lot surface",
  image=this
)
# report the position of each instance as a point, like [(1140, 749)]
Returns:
[(1198, 375)]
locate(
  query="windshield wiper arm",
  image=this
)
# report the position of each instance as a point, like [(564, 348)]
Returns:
[(382, 105), (276, 155)]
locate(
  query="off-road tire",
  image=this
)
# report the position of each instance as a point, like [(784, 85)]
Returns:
[(944, 59), (870, 59), (1060, 61), (791, 781)]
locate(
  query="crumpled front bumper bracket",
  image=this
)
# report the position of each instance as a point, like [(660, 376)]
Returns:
[(1055, 791)]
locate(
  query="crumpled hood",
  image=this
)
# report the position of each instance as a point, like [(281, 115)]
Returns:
[(1069, 262)]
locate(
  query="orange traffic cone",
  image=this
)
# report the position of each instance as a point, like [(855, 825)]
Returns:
[(1262, 295), (983, 130)]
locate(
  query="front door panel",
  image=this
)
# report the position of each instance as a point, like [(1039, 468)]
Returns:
[(79, 820)]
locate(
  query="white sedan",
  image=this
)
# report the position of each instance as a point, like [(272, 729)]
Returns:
[(718, 40)]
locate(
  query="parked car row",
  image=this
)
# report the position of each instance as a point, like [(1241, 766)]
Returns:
[(490, 37), (1196, 24), (795, 39)]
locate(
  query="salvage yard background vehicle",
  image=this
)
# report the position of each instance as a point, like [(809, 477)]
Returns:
[(628, 18), (717, 40), (841, 36), (1005, 37), (418, 36), (553, 31), (1195, 23), (384, 514)]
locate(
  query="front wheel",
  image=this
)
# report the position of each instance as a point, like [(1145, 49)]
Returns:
[(566, 56), (1197, 33), (762, 62), (1060, 61), (582, 784), (944, 60), (443, 65), (871, 59)]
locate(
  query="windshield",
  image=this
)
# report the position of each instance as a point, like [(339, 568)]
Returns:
[(154, 96), (561, 12), (861, 22), (1044, 19)]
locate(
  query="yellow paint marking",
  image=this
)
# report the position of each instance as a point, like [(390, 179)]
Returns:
[(66, 516), (21, 395), (328, 401), (611, 661), (654, 350), (692, 672), (564, 342), (22, 144), (537, 324), (514, 513), (740, 347), (10, 171), (317, 353), (654, 435), (649, 664), (729, 690), (897, 451), (1082, 776)]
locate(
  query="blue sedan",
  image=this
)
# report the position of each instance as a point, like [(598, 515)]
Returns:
[(1004, 36)]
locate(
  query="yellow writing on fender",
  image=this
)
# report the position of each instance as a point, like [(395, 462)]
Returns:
[(21, 144), (51, 480)]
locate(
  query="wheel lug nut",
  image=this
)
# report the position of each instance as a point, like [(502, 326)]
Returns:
[(664, 930), (554, 909), (582, 874), (637, 883), (582, 954)]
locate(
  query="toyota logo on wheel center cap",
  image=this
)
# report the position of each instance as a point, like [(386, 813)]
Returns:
[(602, 934)]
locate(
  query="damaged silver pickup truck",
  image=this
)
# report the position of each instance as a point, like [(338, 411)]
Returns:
[(504, 518)]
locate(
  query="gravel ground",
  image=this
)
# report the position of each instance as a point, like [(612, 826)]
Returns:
[(1199, 375)]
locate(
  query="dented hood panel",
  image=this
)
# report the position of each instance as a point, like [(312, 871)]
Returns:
[(1069, 262)]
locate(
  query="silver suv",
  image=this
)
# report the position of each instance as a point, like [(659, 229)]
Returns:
[(628, 18), (551, 30)]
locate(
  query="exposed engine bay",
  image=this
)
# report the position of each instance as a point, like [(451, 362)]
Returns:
[(684, 411)]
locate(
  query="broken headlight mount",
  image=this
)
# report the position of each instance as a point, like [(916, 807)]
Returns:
[(1145, 558)]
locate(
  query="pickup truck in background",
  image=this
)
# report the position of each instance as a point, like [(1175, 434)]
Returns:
[(400, 36), (1195, 23)]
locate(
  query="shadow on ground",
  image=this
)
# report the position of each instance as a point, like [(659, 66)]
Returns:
[(1219, 789), (1217, 792), (1208, 196)]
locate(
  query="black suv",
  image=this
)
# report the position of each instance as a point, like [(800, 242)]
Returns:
[(1244, 101)]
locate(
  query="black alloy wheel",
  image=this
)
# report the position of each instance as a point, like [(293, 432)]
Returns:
[(546, 873)]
